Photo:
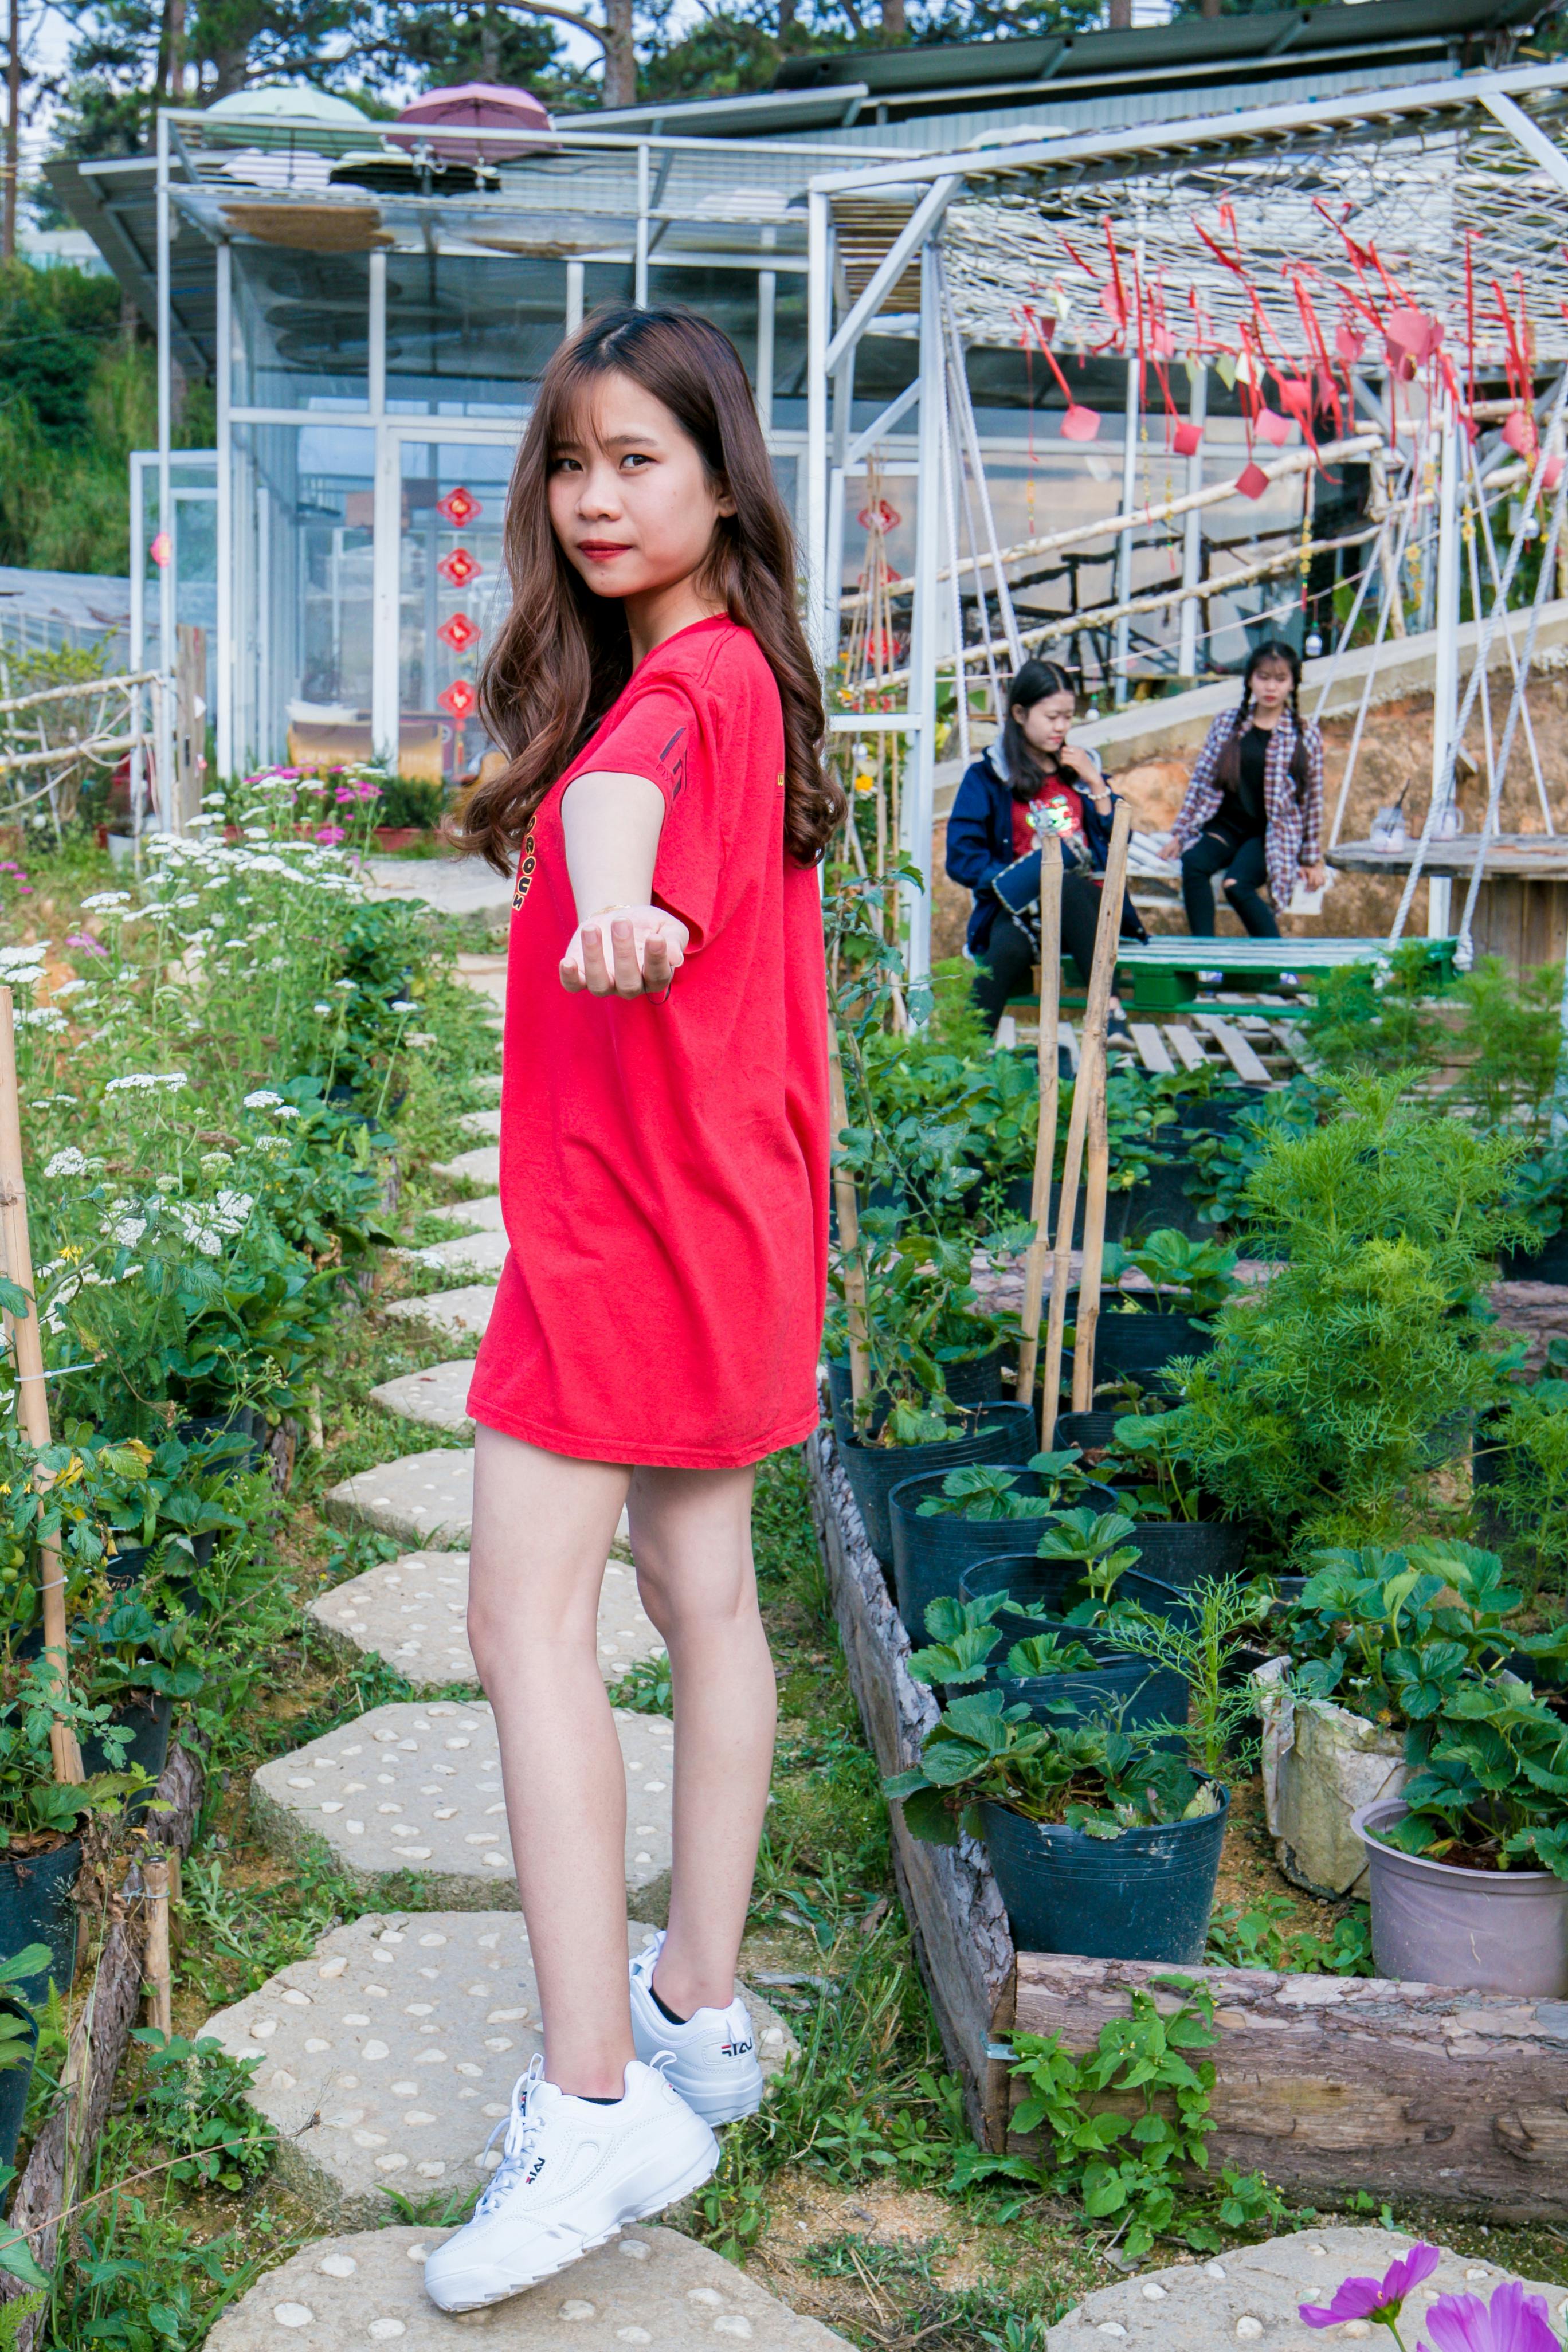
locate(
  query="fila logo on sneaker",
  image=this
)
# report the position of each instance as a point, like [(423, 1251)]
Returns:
[(738, 2049), (532, 2175)]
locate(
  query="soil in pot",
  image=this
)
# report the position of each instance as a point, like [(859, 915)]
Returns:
[(1478, 1930), (1144, 1896), (930, 1555), (35, 1907), (1002, 1433)]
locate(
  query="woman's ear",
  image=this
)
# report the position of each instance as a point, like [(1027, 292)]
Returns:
[(724, 502), (1019, 712)]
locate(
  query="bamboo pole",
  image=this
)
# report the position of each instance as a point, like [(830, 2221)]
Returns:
[(26, 1341), (156, 1972), (1097, 1181), (848, 1222), (1045, 1132), (1102, 971)]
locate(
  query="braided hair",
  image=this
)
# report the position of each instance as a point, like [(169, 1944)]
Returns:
[(1228, 775)]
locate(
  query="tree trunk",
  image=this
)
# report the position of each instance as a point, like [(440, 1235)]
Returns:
[(895, 26), (1210, 7), (176, 52), (786, 18), (13, 132), (1121, 17), (620, 58), (489, 45)]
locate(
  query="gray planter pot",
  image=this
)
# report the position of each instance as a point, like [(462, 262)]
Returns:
[(1475, 1930)]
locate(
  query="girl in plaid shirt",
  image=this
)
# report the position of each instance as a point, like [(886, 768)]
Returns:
[(1254, 807)]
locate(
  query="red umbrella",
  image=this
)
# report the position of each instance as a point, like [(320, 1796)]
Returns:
[(474, 106)]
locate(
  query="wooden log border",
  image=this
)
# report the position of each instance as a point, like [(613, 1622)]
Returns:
[(58, 2158), (1457, 2100)]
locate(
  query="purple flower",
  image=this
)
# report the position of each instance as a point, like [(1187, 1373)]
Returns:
[(85, 943), (330, 835), (1379, 2299), (1516, 2322)]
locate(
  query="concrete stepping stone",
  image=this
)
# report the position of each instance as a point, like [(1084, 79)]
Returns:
[(413, 1789), (451, 1311), (481, 1253), (482, 1122), (488, 1083), (1253, 2295), (649, 2285), (411, 1611), (424, 1498), (479, 1166), (438, 1396), (483, 1214)]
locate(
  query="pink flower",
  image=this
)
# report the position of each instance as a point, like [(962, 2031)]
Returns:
[(330, 835), (1379, 2299), (86, 942), (1516, 2322)]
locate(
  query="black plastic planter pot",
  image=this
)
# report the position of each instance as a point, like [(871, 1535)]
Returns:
[(1091, 1432), (1139, 1346), (1002, 1432), (1548, 1264), (1042, 1590), (244, 1429), (930, 1555), (1160, 1204), (1216, 1117), (35, 1907), (14, 2083), (147, 1720), (976, 1380), (1020, 1201), (1144, 1896), (1038, 1588), (1185, 1552), (1135, 1692), (1160, 1599)]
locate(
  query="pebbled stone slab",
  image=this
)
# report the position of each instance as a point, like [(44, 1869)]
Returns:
[(484, 1215), (648, 2287), (479, 1166), (481, 1252), (423, 1498), (413, 1789), (487, 1083), (412, 1612), (452, 1312), (438, 1396), (486, 1123), (1253, 2295)]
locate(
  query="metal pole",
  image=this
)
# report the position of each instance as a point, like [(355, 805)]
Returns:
[(386, 568), (645, 162), (1446, 662), (1124, 543), (920, 784), (574, 297), (138, 706), (227, 650), (1193, 531), (767, 319), (163, 759), (821, 598)]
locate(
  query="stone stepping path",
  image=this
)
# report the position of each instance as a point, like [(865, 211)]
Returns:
[(389, 2054), (482, 1122), (479, 1166), (1252, 2296), (413, 1789), (412, 1612), (438, 1396), (481, 1252), (484, 1215), (648, 2287), (425, 1500), (449, 1311)]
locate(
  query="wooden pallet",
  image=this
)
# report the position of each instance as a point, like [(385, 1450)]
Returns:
[(1455, 2100)]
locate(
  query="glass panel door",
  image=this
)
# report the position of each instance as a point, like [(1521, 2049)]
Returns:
[(452, 594)]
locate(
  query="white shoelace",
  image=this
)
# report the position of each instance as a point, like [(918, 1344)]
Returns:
[(521, 2127)]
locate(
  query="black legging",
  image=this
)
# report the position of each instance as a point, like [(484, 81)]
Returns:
[(1005, 965), (1211, 854)]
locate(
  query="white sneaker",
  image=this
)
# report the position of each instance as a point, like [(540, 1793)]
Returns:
[(714, 2054), (572, 2172)]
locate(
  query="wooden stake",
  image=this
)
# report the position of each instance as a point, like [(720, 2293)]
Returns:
[(1102, 971), (27, 1344), (1097, 1181), (1046, 1134), (156, 1972), (849, 1222)]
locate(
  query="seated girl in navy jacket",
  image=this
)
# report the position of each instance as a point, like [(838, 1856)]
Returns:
[(1029, 788)]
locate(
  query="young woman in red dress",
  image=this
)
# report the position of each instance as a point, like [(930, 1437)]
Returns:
[(663, 1156)]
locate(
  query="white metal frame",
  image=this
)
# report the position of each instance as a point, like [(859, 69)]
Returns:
[(830, 349)]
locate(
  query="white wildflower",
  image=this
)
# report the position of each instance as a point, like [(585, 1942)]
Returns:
[(22, 975), (322, 1008), (262, 1100), (230, 1210), (147, 1081), (271, 1143), (70, 987), (69, 1162), (42, 1016), (286, 1110), (402, 1004), (104, 899), (128, 1231)]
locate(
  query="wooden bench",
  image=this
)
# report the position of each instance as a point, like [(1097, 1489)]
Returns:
[(1163, 976)]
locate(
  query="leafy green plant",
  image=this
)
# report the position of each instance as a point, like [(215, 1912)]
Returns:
[(36, 1809), (646, 1689), (1267, 1933), (1088, 1775), (1491, 1788), (1374, 1016), (1098, 1541), (1201, 1649), (196, 2105), (1187, 1278), (965, 1640), (923, 1314), (1508, 1036), (1525, 1444), (1391, 1634), (982, 1492), (127, 1648), (1223, 1162)]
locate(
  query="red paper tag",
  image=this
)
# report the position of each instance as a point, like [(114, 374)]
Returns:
[(1273, 428), (1252, 482), (1189, 440), (1348, 344), (1520, 433), (1551, 473), (1080, 423)]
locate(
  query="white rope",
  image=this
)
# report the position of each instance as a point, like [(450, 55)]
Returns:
[(1486, 522), (1443, 792), (972, 439), (1384, 613), (955, 597)]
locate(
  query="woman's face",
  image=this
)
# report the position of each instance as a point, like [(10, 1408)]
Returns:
[(630, 500), (1270, 688), (1045, 723)]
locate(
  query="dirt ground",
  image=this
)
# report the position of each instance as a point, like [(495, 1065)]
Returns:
[(1394, 756)]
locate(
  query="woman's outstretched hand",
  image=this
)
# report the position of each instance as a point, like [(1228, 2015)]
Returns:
[(625, 952)]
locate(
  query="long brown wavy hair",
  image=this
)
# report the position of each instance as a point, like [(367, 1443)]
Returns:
[(565, 654)]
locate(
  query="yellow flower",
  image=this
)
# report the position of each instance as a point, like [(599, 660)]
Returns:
[(865, 783)]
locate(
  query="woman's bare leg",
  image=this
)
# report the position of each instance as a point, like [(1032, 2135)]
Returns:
[(691, 1540), (544, 1525)]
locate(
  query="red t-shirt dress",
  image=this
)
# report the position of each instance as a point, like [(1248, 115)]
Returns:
[(664, 1165)]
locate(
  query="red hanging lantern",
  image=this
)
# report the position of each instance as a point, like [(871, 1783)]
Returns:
[(458, 568), (458, 507), (459, 633), (458, 700)]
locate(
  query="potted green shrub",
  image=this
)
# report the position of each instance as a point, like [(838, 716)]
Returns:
[(1061, 1672), (1468, 1865), (1140, 1332), (1101, 1845), (1519, 1469), (41, 1818), (942, 1520)]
